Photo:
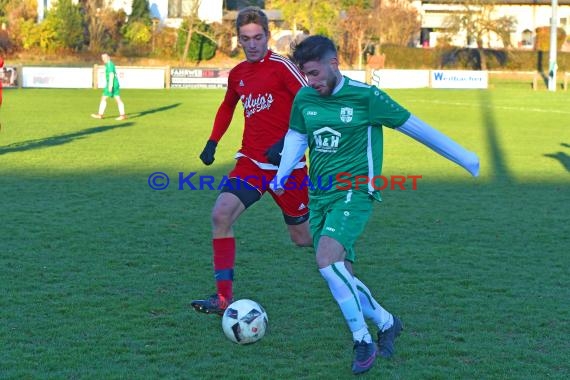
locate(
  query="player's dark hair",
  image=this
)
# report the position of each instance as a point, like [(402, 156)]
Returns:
[(313, 48), (252, 15)]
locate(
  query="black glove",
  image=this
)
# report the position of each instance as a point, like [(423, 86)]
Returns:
[(273, 154), (207, 155)]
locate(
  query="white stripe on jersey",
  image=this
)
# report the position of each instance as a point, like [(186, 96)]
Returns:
[(370, 160), (355, 83), (290, 66)]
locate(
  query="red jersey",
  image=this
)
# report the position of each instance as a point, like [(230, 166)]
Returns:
[(266, 89)]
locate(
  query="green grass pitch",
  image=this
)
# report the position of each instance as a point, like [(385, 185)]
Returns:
[(97, 270)]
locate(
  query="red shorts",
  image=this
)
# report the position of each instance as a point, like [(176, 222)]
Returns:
[(292, 202)]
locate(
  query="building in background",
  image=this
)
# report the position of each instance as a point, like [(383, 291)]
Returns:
[(530, 15), (172, 12)]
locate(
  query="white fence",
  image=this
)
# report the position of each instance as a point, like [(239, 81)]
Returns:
[(57, 77), (387, 78), (138, 77), (135, 77)]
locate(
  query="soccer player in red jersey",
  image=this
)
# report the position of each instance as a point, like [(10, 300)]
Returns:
[(266, 84)]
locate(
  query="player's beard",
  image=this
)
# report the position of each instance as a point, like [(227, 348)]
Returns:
[(330, 82)]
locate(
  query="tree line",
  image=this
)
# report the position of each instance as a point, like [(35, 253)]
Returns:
[(360, 28)]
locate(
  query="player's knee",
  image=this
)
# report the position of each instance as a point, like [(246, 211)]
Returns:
[(323, 261), (221, 217), (303, 243), (299, 230), (302, 240)]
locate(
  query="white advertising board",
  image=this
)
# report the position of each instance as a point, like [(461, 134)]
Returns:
[(459, 79), (135, 77), (181, 77), (57, 77), (199, 82), (389, 78)]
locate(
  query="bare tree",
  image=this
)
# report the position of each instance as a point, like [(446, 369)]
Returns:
[(354, 24), (223, 33), (358, 27), (478, 20), (192, 19), (396, 22), (103, 26), (370, 23)]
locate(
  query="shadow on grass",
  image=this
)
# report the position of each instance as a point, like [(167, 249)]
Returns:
[(153, 110), (562, 157), (500, 170), (540, 60), (57, 140), (78, 241)]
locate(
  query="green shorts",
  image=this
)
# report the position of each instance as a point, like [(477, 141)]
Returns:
[(111, 94), (342, 219)]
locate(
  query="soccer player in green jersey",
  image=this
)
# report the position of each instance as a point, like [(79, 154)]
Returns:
[(340, 121), (111, 90)]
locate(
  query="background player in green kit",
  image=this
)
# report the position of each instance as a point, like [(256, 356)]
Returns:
[(340, 121), (111, 90)]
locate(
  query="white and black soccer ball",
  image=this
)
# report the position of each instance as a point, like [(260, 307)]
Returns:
[(244, 321)]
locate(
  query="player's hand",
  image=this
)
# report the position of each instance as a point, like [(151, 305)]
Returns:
[(207, 155), (276, 187), (273, 154)]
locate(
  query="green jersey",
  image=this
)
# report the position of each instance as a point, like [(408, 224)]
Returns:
[(344, 132), (110, 69)]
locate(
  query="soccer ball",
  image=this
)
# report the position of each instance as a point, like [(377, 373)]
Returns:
[(244, 321)]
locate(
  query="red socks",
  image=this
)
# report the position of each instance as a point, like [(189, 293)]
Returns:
[(224, 260)]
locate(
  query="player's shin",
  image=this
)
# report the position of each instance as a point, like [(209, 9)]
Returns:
[(341, 285), (121, 106), (102, 106), (371, 308), (224, 261)]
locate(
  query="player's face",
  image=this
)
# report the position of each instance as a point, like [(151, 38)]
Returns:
[(322, 75), (253, 40)]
